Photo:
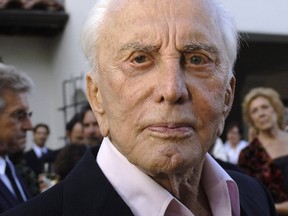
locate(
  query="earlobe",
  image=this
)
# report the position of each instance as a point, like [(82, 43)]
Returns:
[(94, 95)]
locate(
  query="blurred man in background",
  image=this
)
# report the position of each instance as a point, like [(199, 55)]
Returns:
[(91, 131), (14, 123)]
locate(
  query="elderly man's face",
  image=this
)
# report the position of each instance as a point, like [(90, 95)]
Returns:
[(14, 122), (163, 91)]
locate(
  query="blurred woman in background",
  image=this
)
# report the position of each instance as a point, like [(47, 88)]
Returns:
[(266, 157), (234, 144)]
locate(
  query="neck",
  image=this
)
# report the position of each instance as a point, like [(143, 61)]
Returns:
[(186, 188), (233, 144), (269, 133)]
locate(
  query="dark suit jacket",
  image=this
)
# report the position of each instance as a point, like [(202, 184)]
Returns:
[(87, 192), (35, 163), (7, 199)]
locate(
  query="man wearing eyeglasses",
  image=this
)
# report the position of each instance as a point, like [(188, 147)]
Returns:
[(15, 87)]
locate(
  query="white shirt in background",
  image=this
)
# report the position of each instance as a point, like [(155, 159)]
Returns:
[(233, 153)]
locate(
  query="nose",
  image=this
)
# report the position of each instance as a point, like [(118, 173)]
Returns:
[(172, 85), (261, 112), (26, 124)]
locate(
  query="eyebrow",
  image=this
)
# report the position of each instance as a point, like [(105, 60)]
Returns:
[(136, 46), (190, 47)]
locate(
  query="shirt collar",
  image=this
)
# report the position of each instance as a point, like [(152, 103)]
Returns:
[(221, 190), (135, 187), (3, 161), (2, 165), (145, 197), (38, 150)]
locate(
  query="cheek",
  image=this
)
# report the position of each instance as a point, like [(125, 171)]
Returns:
[(10, 131), (252, 118), (275, 118), (124, 96), (123, 104), (210, 104), (209, 110)]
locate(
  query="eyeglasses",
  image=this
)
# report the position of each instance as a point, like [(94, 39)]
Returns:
[(21, 115)]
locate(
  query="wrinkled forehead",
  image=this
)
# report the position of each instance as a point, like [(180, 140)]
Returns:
[(129, 10), (161, 22)]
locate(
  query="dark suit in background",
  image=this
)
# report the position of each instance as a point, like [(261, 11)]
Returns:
[(86, 191), (37, 164), (7, 199)]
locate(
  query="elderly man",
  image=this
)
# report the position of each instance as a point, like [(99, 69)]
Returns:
[(14, 123), (161, 86)]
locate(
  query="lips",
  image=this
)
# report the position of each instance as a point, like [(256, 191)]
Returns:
[(170, 129), (22, 137)]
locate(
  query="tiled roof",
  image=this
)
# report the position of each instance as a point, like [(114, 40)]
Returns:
[(45, 5)]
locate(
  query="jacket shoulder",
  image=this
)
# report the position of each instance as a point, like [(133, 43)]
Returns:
[(254, 197)]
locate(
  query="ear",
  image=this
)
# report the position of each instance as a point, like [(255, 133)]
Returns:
[(96, 103), (94, 95), (229, 96)]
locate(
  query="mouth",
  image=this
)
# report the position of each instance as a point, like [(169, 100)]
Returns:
[(170, 130), (263, 121), (22, 140)]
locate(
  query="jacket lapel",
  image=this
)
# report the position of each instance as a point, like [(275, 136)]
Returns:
[(87, 186), (24, 187), (7, 195)]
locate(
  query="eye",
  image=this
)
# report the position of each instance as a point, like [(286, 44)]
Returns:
[(197, 59), (265, 107), (253, 111), (21, 115), (140, 59)]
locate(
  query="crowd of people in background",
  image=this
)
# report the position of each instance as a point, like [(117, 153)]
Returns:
[(82, 132), (38, 168), (264, 155)]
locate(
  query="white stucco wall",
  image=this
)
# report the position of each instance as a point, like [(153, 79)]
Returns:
[(49, 61), (260, 16), (32, 55)]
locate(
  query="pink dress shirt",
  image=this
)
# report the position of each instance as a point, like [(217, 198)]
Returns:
[(145, 197)]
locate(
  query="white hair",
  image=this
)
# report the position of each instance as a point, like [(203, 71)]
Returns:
[(96, 21), (229, 34), (14, 80), (91, 31)]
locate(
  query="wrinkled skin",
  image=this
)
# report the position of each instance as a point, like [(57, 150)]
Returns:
[(162, 91)]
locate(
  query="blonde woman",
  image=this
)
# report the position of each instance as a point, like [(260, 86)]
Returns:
[(266, 157)]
